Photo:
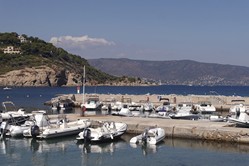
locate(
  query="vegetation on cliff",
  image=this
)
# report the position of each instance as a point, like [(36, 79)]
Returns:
[(35, 52)]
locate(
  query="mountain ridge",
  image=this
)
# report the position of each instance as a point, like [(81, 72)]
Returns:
[(176, 72)]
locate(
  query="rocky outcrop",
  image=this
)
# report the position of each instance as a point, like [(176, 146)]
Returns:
[(40, 76)]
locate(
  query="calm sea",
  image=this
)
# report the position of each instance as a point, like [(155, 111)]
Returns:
[(66, 151), (34, 97)]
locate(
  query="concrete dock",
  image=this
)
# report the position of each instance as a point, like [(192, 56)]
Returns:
[(219, 101), (202, 130)]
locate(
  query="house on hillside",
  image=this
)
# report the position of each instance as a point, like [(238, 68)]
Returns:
[(11, 50), (22, 39)]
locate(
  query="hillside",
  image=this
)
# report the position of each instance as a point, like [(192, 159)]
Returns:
[(30, 61), (182, 72)]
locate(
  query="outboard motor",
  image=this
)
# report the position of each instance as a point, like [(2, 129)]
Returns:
[(35, 131), (237, 112), (145, 136), (87, 135), (3, 129)]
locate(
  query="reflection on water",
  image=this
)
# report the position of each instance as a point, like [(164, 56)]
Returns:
[(146, 149), (108, 147), (66, 151), (208, 145)]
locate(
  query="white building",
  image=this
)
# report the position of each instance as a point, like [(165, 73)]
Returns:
[(11, 50), (22, 39)]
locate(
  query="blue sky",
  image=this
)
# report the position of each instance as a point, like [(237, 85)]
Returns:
[(212, 31)]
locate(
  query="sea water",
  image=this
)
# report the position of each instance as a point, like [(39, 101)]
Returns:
[(67, 151), (35, 97)]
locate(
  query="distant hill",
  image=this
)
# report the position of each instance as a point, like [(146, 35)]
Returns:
[(181, 72), (30, 61)]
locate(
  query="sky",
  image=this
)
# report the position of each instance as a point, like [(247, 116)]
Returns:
[(211, 31)]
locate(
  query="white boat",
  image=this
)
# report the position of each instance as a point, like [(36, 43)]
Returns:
[(237, 107), (93, 103), (15, 130), (62, 106), (92, 106), (150, 136), (159, 115), (166, 108), (62, 128), (136, 109), (41, 121), (241, 119), (9, 111), (147, 107), (205, 107), (185, 111), (107, 131), (125, 111)]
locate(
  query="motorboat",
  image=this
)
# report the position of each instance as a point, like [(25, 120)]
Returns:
[(10, 112), (185, 111), (155, 114), (106, 131), (108, 103), (165, 108), (238, 106), (125, 111), (148, 107), (41, 121), (93, 103), (150, 136), (15, 128), (217, 118), (136, 109), (185, 116), (62, 103), (62, 127), (205, 107), (62, 106), (241, 119)]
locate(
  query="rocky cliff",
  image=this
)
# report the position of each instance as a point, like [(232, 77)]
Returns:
[(38, 63), (40, 76)]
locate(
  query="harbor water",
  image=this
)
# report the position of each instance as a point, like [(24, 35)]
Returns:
[(35, 97), (66, 151)]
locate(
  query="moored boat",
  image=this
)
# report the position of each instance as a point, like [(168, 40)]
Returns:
[(61, 128), (106, 131), (150, 136)]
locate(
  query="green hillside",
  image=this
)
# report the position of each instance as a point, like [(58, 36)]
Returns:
[(35, 52)]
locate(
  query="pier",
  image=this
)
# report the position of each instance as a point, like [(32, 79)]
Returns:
[(187, 129), (222, 103)]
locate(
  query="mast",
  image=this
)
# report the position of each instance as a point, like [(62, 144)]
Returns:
[(84, 80)]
